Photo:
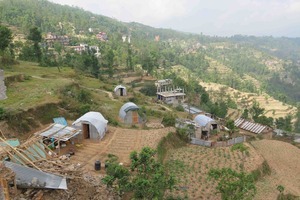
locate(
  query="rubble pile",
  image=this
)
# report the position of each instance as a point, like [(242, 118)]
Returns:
[(81, 185)]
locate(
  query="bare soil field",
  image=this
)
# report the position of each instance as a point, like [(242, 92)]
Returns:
[(284, 160), (118, 141), (192, 163)]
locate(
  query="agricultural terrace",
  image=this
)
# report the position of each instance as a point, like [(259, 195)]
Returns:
[(191, 165)]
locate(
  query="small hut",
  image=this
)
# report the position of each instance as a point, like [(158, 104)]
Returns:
[(120, 90), (207, 125), (129, 114), (92, 124)]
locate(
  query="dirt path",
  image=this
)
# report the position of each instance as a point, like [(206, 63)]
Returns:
[(284, 160), (110, 95)]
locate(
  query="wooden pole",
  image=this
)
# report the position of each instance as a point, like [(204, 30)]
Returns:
[(20, 154)]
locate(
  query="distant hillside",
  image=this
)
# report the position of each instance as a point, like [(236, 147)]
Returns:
[(63, 19)]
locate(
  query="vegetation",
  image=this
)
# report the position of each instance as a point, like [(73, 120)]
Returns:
[(148, 178), (233, 185)]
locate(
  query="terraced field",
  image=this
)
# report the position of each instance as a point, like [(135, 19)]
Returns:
[(118, 141), (273, 108), (192, 163)]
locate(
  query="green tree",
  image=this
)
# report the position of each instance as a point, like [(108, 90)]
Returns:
[(204, 98), (284, 123), (256, 111), (116, 174), (245, 114), (5, 38), (233, 185), (36, 37), (151, 179), (230, 125), (148, 178)]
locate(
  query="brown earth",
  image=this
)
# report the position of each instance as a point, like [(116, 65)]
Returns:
[(284, 160), (118, 141), (191, 165)]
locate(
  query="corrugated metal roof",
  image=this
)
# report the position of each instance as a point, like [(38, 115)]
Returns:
[(60, 120), (31, 178), (249, 126), (60, 132), (191, 109), (127, 107), (11, 142)]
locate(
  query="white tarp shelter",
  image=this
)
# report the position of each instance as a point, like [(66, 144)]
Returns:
[(92, 124), (120, 90)]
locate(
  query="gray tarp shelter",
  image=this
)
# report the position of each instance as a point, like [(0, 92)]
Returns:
[(92, 124), (129, 115), (120, 90)]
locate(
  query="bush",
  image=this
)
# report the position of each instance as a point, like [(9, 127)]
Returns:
[(241, 147), (2, 113), (169, 119), (179, 108), (149, 90)]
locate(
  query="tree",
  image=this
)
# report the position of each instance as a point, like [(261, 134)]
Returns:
[(116, 174), (284, 123), (245, 114), (256, 111), (148, 178), (230, 125), (151, 179), (233, 185), (36, 37), (5, 38), (204, 98)]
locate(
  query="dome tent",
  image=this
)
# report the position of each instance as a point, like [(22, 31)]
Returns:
[(120, 90), (93, 125), (129, 115)]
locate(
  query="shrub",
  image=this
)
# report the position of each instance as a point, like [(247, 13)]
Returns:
[(169, 119), (2, 113), (179, 108)]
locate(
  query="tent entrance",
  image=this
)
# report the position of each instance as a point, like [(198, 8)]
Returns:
[(135, 117), (86, 131), (121, 91)]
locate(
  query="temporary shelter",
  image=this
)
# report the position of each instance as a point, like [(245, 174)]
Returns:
[(129, 114), (120, 90), (207, 124), (92, 124)]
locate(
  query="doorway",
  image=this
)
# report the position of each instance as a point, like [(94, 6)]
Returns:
[(121, 91), (86, 131)]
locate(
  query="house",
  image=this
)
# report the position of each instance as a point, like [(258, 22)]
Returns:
[(102, 36), (120, 90), (207, 125), (128, 114), (52, 38), (92, 124), (252, 127), (172, 96), (2, 86), (163, 83)]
